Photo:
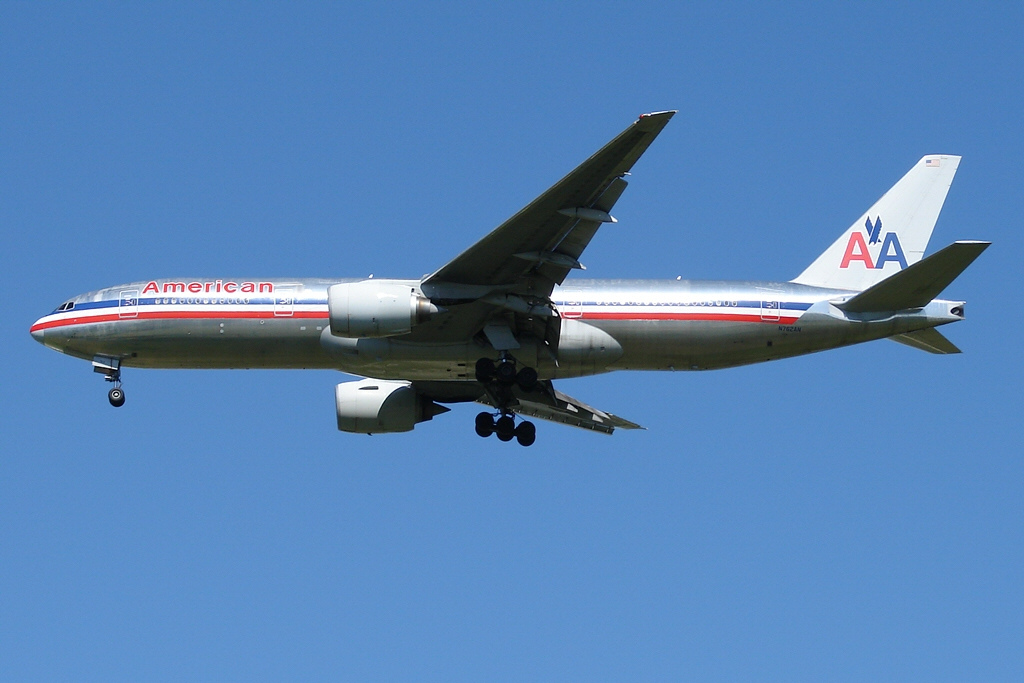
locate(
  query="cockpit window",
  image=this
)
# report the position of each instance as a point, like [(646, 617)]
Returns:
[(66, 306)]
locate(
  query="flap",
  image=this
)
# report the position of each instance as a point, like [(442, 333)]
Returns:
[(547, 403)]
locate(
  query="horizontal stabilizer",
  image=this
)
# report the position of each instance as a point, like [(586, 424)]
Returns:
[(930, 340), (917, 285)]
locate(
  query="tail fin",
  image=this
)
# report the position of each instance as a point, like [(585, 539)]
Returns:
[(892, 235)]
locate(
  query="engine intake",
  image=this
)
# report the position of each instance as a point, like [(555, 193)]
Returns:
[(372, 406), (376, 308)]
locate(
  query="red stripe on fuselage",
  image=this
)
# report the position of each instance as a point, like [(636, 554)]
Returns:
[(727, 317), (176, 315), (268, 315)]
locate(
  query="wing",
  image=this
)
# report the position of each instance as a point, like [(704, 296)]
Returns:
[(545, 403), (507, 277), (535, 249)]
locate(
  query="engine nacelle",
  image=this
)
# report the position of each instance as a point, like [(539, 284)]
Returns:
[(373, 406), (376, 308)]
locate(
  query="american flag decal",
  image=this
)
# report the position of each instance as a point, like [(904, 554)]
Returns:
[(933, 163)]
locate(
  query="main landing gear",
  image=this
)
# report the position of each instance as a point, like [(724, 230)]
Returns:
[(504, 373), (499, 378), (506, 429)]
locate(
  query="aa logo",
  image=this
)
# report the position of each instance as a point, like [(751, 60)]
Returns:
[(857, 248)]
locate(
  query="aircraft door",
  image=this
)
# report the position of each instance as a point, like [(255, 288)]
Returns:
[(771, 307), (284, 301), (572, 305), (128, 304)]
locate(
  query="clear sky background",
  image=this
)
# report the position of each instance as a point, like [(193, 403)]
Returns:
[(849, 516)]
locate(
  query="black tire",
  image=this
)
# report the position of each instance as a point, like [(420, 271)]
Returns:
[(527, 379), (484, 424), (506, 372), (484, 370), (526, 434), (505, 428), (116, 397)]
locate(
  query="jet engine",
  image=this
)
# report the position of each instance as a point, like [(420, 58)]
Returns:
[(372, 406), (376, 308)]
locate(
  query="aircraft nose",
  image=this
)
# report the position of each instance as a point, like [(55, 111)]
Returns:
[(37, 332)]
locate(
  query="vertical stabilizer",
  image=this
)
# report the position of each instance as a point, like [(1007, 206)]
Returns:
[(892, 235)]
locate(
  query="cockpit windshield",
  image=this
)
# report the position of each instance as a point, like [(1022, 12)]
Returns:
[(66, 306)]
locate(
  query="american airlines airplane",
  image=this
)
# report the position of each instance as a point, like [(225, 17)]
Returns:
[(500, 323)]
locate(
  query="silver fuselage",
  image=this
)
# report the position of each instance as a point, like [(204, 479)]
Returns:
[(605, 325)]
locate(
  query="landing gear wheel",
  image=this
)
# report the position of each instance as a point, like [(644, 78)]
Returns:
[(484, 424), (116, 397), (527, 379), (506, 372), (484, 370), (526, 433), (505, 428)]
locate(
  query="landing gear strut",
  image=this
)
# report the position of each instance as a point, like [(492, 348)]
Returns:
[(110, 368), (506, 428), (499, 378)]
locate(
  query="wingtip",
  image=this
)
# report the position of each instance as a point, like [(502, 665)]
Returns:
[(656, 115), (655, 120)]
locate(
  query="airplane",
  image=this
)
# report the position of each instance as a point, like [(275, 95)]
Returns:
[(500, 322)]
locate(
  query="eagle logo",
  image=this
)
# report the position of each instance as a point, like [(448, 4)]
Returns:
[(873, 230)]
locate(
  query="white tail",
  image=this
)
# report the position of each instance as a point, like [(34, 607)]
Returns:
[(892, 235)]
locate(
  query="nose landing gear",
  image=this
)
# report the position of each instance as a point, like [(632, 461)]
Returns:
[(110, 368)]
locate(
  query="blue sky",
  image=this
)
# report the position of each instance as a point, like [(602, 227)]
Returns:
[(854, 515)]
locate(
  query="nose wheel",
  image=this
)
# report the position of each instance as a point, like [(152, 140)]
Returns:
[(116, 397), (505, 427)]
